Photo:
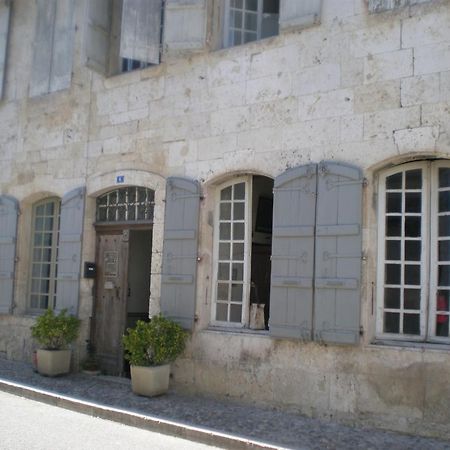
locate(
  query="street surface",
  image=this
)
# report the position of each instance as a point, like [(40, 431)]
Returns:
[(29, 425)]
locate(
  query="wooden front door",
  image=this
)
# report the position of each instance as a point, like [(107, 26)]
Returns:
[(111, 297)]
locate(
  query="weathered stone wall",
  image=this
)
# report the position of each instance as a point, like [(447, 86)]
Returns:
[(369, 89)]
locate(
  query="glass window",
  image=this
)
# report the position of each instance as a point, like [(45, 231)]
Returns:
[(44, 251)]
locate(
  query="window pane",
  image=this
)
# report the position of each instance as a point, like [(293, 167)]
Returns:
[(392, 298), (251, 5), (444, 201), (49, 223), (239, 191), (444, 226), (444, 275), (237, 3), (393, 202), (413, 202), (236, 292), (411, 324), (237, 272), (36, 272), (47, 241), (250, 37), (393, 250), (224, 251), (413, 250), (412, 274), (413, 179), (442, 302), (221, 312), (238, 231), (224, 271), (225, 211), (412, 226), (271, 6), (442, 317), (225, 231), (238, 252), (40, 210), (394, 181), (222, 291), (236, 19), (235, 313), (442, 325), (37, 239), (239, 211), (251, 21), (444, 177), (237, 37), (412, 298), (392, 274), (393, 226), (45, 270), (225, 194), (444, 250), (391, 322), (39, 224), (50, 209)]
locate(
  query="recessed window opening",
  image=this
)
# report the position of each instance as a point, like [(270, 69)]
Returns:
[(44, 253), (128, 204), (243, 243)]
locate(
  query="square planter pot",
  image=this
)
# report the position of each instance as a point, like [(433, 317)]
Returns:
[(53, 362), (150, 381)]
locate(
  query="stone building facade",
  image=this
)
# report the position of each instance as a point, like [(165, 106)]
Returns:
[(273, 174)]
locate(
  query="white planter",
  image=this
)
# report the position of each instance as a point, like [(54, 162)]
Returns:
[(150, 381), (53, 362)]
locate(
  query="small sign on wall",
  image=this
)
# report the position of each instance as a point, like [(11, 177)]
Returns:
[(120, 179)]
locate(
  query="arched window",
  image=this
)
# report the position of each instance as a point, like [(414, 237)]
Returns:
[(44, 253), (128, 204), (413, 290)]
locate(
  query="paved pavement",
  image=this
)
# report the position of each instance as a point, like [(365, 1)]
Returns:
[(224, 424)]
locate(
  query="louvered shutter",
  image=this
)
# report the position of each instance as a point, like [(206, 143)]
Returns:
[(179, 267), (141, 30), (69, 250), (295, 13), (9, 209), (4, 29), (291, 295), (99, 15), (184, 25), (338, 253)]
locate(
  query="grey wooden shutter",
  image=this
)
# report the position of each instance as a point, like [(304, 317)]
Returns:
[(98, 31), (53, 47), (338, 253), (69, 250), (295, 13), (9, 210), (141, 30), (294, 210), (4, 30), (184, 25), (179, 266)]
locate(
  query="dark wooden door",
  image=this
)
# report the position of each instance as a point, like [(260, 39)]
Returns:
[(110, 301)]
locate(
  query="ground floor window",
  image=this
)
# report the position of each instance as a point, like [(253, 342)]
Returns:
[(44, 253), (414, 252), (242, 248)]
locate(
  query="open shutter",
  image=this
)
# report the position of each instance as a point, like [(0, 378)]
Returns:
[(53, 47), (99, 15), (338, 253), (63, 40), (69, 250), (291, 296), (4, 29), (184, 25), (141, 30), (295, 13), (9, 210), (179, 267)]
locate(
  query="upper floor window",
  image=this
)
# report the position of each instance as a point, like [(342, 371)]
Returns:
[(44, 253), (414, 252), (250, 20)]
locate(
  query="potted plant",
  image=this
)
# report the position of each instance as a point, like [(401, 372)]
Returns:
[(54, 333), (150, 347)]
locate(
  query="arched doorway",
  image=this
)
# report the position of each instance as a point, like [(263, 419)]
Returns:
[(124, 224)]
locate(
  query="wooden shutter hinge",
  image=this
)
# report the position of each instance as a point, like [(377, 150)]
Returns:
[(361, 330)]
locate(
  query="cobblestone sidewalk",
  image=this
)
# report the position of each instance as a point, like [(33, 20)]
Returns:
[(225, 424)]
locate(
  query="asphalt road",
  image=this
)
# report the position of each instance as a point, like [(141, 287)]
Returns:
[(29, 425)]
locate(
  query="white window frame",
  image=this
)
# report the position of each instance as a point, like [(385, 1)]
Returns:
[(429, 246), (245, 315), (53, 255)]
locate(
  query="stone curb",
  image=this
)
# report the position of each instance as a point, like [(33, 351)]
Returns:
[(150, 423)]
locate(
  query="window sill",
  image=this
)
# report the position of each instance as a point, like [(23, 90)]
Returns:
[(418, 346), (237, 331)]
